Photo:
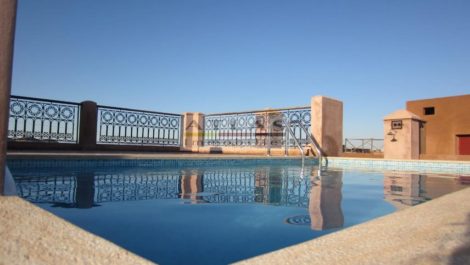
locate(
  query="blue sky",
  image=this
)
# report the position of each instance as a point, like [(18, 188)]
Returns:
[(220, 55)]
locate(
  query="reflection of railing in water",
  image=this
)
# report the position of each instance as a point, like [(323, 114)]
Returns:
[(265, 185), (84, 190), (130, 188), (47, 189), (321, 195)]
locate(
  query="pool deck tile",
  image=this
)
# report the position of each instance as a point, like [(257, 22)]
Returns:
[(31, 235)]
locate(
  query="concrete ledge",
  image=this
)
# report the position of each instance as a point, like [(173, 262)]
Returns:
[(400, 160), (127, 155), (436, 232), (442, 166), (30, 235)]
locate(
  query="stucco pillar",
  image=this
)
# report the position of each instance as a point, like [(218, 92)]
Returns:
[(401, 135), (327, 124), (193, 134), (88, 125), (7, 36)]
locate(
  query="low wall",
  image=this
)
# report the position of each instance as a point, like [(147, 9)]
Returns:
[(247, 150), (362, 155), (25, 146), (436, 166), (445, 157)]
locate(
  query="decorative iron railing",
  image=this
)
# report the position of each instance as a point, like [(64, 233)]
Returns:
[(43, 120), (255, 128), (363, 145), (135, 127)]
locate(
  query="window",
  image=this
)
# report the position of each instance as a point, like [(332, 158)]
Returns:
[(429, 111), (396, 188)]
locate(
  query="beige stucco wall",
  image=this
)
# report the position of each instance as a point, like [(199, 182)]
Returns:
[(451, 118), (327, 124), (404, 143)]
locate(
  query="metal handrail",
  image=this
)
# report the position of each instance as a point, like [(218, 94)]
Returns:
[(44, 100), (310, 138), (140, 110), (258, 111), (314, 142), (296, 141)]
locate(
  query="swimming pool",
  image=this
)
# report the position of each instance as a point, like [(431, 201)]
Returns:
[(217, 212)]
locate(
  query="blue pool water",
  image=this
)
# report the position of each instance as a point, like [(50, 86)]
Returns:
[(220, 214)]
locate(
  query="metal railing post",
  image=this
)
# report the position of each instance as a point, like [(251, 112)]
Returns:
[(269, 137)]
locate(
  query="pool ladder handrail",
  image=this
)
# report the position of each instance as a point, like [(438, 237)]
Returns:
[(320, 154)]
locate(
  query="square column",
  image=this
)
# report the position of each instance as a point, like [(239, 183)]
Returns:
[(193, 132), (7, 29), (327, 124)]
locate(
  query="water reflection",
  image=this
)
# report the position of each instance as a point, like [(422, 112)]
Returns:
[(325, 201), (320, 196), (404, 190), (84, 193), (267, 185), (324, 205)]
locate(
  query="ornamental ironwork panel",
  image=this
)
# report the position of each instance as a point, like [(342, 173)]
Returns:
[(255, 129), (42, 120), (134, 127)]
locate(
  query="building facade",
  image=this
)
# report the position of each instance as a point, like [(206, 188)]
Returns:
[(446, 132)]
